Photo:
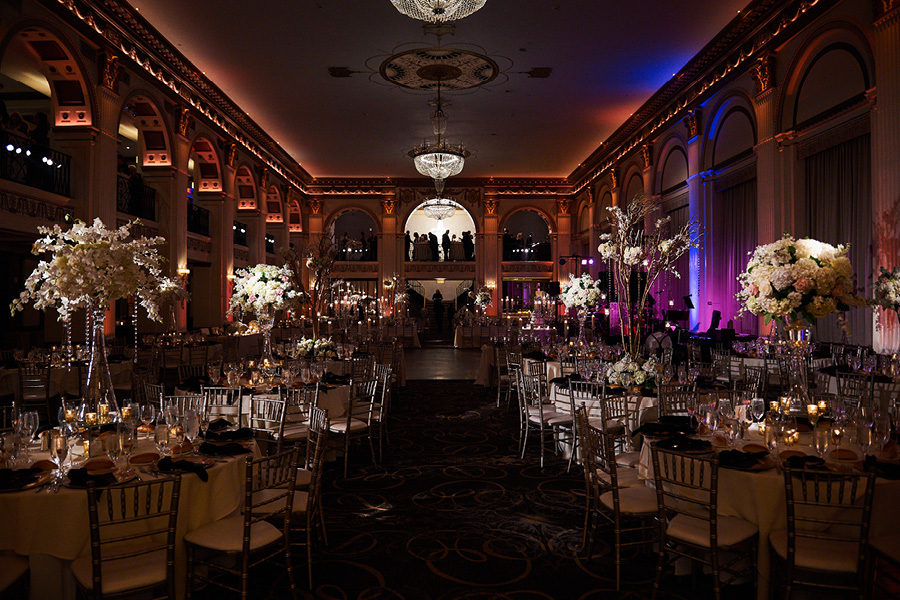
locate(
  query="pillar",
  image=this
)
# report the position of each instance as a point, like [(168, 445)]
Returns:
[(696, 211)]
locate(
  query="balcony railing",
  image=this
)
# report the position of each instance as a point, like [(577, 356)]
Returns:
[(198, 220), (135, 199), (23, 161)]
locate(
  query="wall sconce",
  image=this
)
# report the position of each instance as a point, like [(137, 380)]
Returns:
[(183, 275)]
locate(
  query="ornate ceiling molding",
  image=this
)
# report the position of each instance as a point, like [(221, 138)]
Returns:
[(743, 40)]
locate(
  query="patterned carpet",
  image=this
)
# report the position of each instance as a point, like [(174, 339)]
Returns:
[(454, 513)]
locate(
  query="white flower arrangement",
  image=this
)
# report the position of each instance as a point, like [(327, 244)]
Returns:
[(316, 349), (887, 289), (170, 290), (92, 266), (262, 288), (628, 371), (483, 297), (581, 292), (797, 279)]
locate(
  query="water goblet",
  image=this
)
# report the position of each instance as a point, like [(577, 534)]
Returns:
[(190, 422), (10, 446), (757, 408), (25, 427), (126, 431), (864, 437), (161, 438), (820, 439), (837, 432), (790, 433), (113, 446), (213, 370)]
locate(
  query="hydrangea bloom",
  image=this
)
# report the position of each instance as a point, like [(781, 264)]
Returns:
[(262, 288)]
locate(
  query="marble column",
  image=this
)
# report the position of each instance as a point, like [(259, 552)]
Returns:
[(696, 212)]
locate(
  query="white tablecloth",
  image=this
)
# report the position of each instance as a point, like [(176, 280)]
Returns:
[(758, 497), (52, 529)]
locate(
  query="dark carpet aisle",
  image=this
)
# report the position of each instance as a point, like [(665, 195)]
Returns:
[(454, 513)]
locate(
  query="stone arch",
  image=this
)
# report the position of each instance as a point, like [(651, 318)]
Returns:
[(295, 216), (40, 56), (274, 206), (671, 151), (833, 37), (207, 165), (245, 188), (140, 111), (632, 183), (551, 224), (731, 131), (336, 214)]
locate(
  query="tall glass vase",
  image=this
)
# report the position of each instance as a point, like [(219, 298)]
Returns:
[(582, 319), (99, 386), (266, 320)]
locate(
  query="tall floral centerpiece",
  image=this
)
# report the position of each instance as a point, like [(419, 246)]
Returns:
[(318, 260), (641, 244), (483, 297), (797, 280), (581, 293), (887, 290), (263, 290), (90, 266), (169, 293)]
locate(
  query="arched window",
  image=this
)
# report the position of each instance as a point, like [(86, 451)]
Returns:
[(356, 236), (526, 236)]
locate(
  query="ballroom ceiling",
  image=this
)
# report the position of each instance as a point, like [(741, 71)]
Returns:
[(569, 72)]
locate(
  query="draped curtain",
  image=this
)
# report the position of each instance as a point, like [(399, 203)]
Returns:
[(733, 236), (678, 287), (839, 201)]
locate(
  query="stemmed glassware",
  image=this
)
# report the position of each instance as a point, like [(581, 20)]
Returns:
[(190, 422), (757, 409), (25, 426), (214, 370), (113, 446), (59, 450)]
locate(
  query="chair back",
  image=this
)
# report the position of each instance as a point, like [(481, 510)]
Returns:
[(752, 380), (598, 455), (854, 385), (676, 400), (617, 414), (828, 507), (666, 358), (361, 367), (316, 444), (299, 401), (197, 354), (223, 402), (686, 485), (193, 370), (514, 356), (267, 419), (500, 360), (153, 393), (269, 491), (133, 520), (567, 365), (538, 369), (186, 402), (34, 383), (362, 399), (587, 393), (382, 390)]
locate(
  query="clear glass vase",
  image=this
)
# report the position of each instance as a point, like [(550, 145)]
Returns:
[(266, 320), (99, 388), (582, 319)]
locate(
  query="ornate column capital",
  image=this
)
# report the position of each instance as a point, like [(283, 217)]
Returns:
[(185, 120), (884, 9), (490, 205), (231, 155), (763, 73), (692, 122), (563, 205), (614, 177), (388, 205), (109, 70), (647, 155), (315, 205)]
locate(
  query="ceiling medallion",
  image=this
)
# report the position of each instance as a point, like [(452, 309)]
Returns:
[(438, 11), (423, 68)]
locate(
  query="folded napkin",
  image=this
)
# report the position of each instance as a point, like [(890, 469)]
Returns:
[(563, 382), (81, 477), (536, 355), (664, 429), (736, 459), (229, 449), (883, 469), (244, 433), (194, 384), (168, 465), (15, 479), (805, 462), (336, 379), (682, 443), (218, 425)]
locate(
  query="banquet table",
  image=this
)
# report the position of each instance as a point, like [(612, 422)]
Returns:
[(456, 251), (422, 251), (771, 366), (758, 497), (884, 392), (65, 381), (53, 529), (477, 335)]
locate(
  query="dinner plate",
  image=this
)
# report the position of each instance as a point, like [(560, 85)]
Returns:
[(842, 454), (786, 454), (44, 465), (98, 464), (145, 458), (754, 448), (43, 479)]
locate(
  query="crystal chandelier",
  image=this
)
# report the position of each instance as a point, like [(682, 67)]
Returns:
[(439, 208), (438, 11), (439, 160)]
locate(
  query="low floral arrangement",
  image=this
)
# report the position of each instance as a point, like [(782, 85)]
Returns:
[(316, 349), (795, 280), (627, 371), (263, 288), (90, 266), (483, 298), (581, 292), (887, 289)]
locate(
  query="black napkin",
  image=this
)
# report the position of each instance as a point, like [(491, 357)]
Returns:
[(736, 459), (563, 382), (664, 429), (805, 462), (244, 433), (16, 479), (218, 425), (194, 383), (882, 469), (536, 355), (81, 478), (336, 379), (168, 465), (10, 363), (229, 449), (682, 443)]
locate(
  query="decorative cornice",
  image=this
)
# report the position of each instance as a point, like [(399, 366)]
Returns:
[(241, 254), (20, 204), (753, 31), (884, 9), (465, 196)]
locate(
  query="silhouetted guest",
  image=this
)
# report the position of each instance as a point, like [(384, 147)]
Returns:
[(407, 244), (529, 241), (373, 245), (41, 133), (438, 299), (342, 248), (433, 242), (519, 246), (507, 244), (16, 124), (445, 244), (121, 165), (716, 319), (468, 246), (450, 311), (135, 184)]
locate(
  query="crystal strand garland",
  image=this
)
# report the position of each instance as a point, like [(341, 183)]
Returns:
[(134, 323), (88, 339), (67, 325)]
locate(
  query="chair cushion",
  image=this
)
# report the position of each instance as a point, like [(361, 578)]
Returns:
[(226, 535), (121, 575), (624, 477), (822, 555), (633, 500), (341, 426), (542, 409), (12, 567), (295, 432), (613, 426), (561, 419), (545, 416), (628, 459), (692, 530)]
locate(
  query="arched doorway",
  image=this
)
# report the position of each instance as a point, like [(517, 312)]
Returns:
[(457, 225), (356, 235), (526, 236), (143, 142)]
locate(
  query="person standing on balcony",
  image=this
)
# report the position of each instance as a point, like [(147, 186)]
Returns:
[(445, 244), (433, 243), (407, 244)]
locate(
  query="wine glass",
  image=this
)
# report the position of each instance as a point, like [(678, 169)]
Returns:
[(812, 411), (126, 431), (26, 425), (113, 446), (820, 440), (203, 419), (190, 422), (757, 408), (161, 438), (213, 370), (9, 448), (864, 437), (837, 432)]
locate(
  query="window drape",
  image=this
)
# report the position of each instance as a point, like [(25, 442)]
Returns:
[(734, 235)]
